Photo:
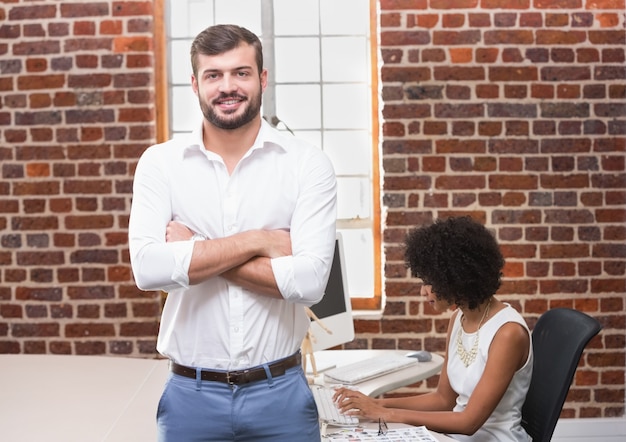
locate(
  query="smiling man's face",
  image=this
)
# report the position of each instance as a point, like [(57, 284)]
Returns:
[(229, 87)]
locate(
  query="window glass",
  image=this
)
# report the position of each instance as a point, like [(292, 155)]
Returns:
[(246, 13), (185, 110), (359, 261), (354, 196), (297, 60), (298, 105), (346, 106), (189, 17), (179, 56), (345, 59), (344, 17), (295, 17), (349, 151)]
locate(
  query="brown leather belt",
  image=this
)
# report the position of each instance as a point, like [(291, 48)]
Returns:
[(239, 377)]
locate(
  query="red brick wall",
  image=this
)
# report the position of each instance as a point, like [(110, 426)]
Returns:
[(513, 113), (76, 111)]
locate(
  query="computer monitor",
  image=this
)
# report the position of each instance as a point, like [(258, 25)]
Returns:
[(334, 310)]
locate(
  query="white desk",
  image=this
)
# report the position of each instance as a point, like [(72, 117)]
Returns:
[(79, 398), (113, 399), (377, 386)]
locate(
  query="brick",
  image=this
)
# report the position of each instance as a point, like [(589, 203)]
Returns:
[(82, 27), (390, 20), (460, 182), (31, 48), (32, 12), (121, 347), (509, 37), (513, 182), (518, 74), (612, 55), (89, 330), (90, 347), (136, 115), (395, 38), (456, 73), (461, 55), (39, 330), (433, 55), (479, 20), (504, 19), (132, 44), (607, 37), (134, 8), (459, 110), (87, 44), (88, 311), (449, 38), (428, 21), (138, 61), (149, 328), (463, 128), (84, 9), (458, 146)]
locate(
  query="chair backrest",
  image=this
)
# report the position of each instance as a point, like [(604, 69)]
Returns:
[(559, 337)]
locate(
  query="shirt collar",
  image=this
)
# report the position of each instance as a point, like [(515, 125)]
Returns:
[(267, 137)]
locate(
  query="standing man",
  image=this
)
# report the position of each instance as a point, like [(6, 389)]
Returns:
[(237, 223)]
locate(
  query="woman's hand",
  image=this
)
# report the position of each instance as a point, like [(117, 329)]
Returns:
[(355, 403)]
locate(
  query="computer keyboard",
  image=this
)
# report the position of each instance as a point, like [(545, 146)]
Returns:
[(367, 369), (328, 411)]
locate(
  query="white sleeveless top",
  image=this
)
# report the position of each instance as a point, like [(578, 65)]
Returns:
[(504, 424)]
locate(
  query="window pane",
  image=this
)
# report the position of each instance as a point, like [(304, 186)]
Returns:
[(188, 18), (186, 113), (296, 17), (346, 106), (345, 17), (246, 13), (297, 60), (180, 62), (353, 197), (312, 136), (358, 245), (349, 150), (298, 106), (345, 59)]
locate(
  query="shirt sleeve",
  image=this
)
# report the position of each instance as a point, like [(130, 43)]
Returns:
[(156, 265), (302, 277)]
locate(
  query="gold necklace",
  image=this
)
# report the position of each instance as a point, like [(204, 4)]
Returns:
[(468, 357)]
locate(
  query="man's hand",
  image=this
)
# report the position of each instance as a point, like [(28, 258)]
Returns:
[(176, 231)]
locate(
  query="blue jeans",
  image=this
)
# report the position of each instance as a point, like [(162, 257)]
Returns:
[(277, 409)]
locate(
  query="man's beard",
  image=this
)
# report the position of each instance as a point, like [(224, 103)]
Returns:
[(252, 109)]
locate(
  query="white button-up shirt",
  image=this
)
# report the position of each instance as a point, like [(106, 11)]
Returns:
[(281, 183)]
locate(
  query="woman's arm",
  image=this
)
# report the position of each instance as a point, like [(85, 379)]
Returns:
[(507, 354), (442, 399)]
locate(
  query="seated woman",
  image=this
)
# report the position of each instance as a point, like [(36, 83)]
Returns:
[(488, 360)]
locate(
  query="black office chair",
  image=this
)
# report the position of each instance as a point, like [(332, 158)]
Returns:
[(559, 338)]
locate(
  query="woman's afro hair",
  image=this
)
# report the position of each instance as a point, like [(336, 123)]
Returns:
[(458, 257)]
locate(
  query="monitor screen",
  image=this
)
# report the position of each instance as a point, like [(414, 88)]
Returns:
[(334, 310)]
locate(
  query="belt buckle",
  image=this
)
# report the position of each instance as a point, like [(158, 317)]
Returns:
[(228, 380)]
